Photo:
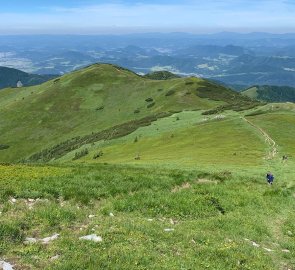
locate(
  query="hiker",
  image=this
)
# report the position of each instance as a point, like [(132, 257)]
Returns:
[(269, 178)]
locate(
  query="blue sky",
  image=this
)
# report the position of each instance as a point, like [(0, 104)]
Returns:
[(95, 17)]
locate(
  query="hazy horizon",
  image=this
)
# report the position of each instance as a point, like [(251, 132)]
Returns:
[(132, 16), (126, 32)]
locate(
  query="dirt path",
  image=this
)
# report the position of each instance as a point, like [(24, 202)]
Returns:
[(273, 146)]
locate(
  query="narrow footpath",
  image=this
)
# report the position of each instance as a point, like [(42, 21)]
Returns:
[(272, 144)]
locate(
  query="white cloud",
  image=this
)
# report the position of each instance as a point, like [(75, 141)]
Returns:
[(219, 15)]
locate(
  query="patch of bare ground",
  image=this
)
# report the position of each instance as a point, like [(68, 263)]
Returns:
[(206, 181), (183, 186), (187, 185)]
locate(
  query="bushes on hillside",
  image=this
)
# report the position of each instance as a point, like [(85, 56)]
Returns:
[(4, 146), (137, 111), (151, 105), (149, 99), (214, 111), (170, 93), (100, 108), (117, 131), (189, 82), (240, 106), (258, 112), (98, 155), (81, 153)]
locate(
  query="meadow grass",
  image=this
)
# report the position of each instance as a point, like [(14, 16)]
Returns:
[(212, 213), (281, 126), (184, 139), (187, 191)]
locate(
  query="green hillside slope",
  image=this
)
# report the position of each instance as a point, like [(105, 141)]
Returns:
[(165, 174), (190, 138), (161, 75), (271, 93), (96, 99), (10, 76), (278, 120), (182, 139)]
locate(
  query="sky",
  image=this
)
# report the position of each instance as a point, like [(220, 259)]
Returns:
[(132, 16)]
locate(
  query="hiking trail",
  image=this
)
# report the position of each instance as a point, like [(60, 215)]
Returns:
[(273, 145)]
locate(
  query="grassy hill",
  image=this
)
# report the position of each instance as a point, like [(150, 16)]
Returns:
[(161, 75), (10, 76), (271, 93), (167, 174), (100, 98)]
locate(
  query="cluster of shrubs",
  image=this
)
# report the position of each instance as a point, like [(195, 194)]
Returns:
[(81, 153), (137, 111), (4, 146), (235, 101), (215, 202), (100, 108), (117, 131), (149, 99), (241, 106), (151, 105), (98, 155), (189, 82), (258, 112), (215, 110), (170, 93)]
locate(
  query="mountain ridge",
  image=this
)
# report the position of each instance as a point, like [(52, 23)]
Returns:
[(10, 76), (271, 93), (97, 98)]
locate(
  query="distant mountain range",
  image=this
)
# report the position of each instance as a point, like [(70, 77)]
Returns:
[(9, 77), (231, 58)]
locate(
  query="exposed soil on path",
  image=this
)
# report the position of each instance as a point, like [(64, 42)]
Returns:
[(273, 146)]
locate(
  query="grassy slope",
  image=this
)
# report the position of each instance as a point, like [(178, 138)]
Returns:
[(215, 210), (281, 126), (203, 237), (251, 92), (216, 203), (38, 117), (184, 139)]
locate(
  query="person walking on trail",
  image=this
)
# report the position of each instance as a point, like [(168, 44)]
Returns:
[(269, 178)]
